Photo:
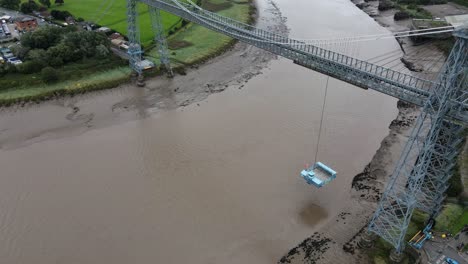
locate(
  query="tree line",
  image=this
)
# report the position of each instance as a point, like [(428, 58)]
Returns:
[(30, 5), (49, 48)]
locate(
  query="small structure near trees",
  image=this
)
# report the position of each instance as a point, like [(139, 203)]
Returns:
[(26, 24)]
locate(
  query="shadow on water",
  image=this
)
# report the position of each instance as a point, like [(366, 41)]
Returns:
[(308, 214)]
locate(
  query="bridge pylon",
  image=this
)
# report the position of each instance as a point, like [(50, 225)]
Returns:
[(420, 177), (133, 34), (441, 166), (160, 39)]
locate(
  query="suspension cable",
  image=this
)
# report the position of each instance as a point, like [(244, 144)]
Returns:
[(321, 119)]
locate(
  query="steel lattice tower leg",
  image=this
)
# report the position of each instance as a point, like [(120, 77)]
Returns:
[(405, 190), (134, 47), (440, 169), (158, 29)]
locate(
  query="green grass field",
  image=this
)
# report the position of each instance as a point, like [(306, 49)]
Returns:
[(452, 218), (91, 82), (201, 42), (115, 17), (461, 2)]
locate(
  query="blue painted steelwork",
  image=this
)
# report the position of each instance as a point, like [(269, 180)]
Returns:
[(318, 175), (134, 44), (425, 165), (160, 39), (357, 72), (418, 240)]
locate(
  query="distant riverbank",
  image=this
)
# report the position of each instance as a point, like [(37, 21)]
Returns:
[(190, 45)]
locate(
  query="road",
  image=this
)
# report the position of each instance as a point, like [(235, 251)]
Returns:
[(438, 250), (120, 53)]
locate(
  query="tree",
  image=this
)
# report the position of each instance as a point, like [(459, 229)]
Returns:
[(38, 55), (10, 4), (60, 15), (29, 6), (102, 51), (63, 53), (85, 42), (59, 2), (49, 74), (26, 8), (20, 51), (43, 37), (45, 2), (29, 67)]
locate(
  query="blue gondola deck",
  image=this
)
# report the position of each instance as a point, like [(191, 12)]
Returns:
[(318, 175)]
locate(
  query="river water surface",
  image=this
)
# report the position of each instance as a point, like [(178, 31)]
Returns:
[(216, 182)]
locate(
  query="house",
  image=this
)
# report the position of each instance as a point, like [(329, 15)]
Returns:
[(117, 42), (6, 18), (116, 35), (26, 24)]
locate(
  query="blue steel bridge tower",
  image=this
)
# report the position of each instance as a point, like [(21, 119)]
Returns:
[(421, 175)]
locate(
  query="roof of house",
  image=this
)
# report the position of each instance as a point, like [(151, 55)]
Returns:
[(25, 19), (116, 42), (116, 35)]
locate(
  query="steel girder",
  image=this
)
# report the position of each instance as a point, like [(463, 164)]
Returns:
[(421, 175), (160, 39), (348, 69), (440, 168), (134, 46)]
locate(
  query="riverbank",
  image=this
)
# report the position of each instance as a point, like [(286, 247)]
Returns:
[(231, 69), (199, 46)]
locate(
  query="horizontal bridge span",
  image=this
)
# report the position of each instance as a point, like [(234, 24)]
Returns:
[(351, 70)]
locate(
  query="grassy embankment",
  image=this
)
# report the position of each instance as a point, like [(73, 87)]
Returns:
[(116, 17), (195, 43), (191, 44), (414, 11), (451, 220), (461, 2)]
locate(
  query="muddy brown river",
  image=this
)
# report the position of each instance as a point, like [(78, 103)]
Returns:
[(217, 181)]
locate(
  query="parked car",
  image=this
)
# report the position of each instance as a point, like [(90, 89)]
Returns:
[(8, 55), (14, 61), (451, 261)]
